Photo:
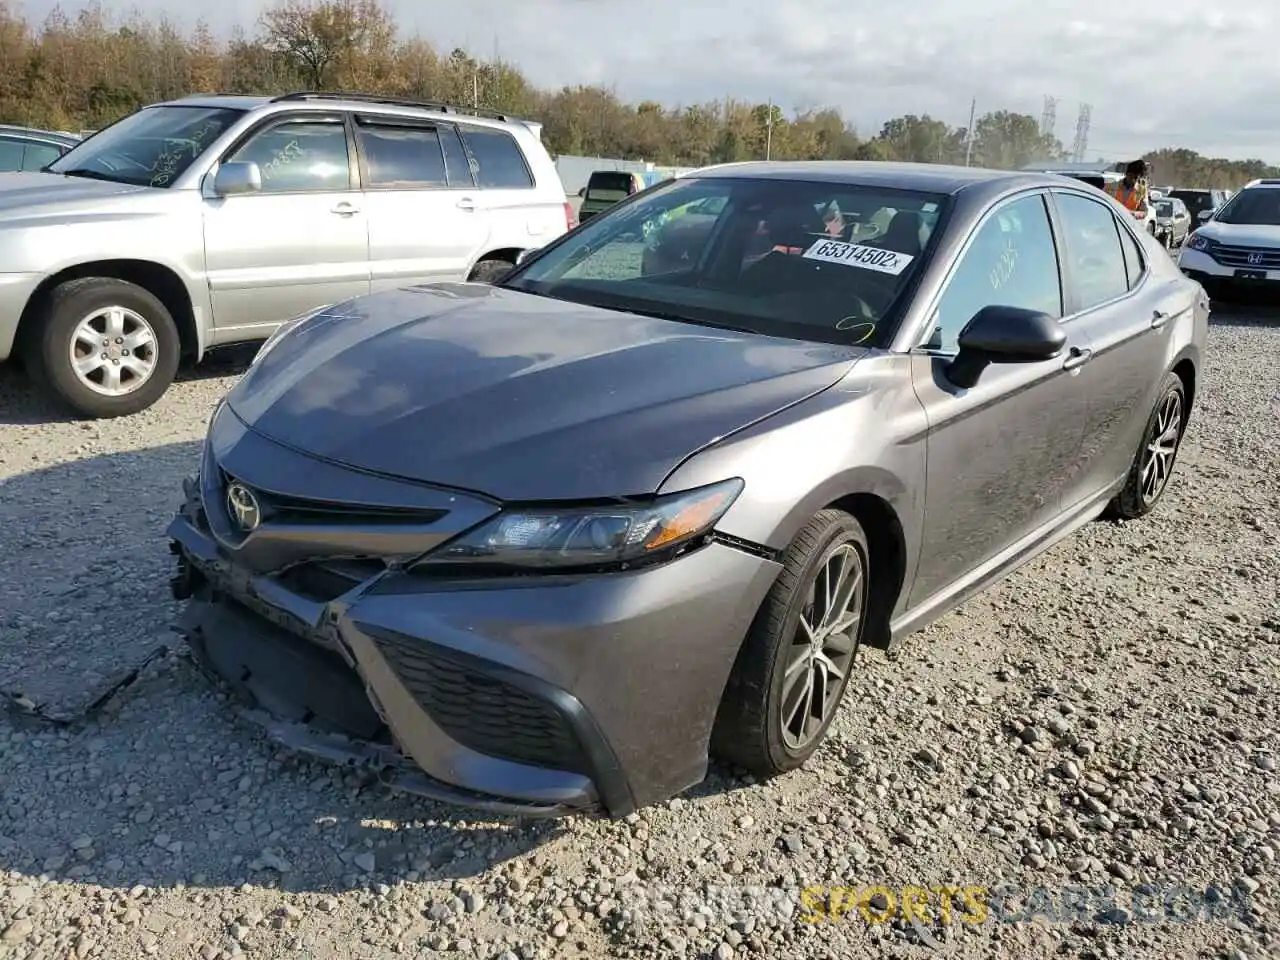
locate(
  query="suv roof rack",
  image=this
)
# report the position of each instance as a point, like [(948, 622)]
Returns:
[(435, 105)]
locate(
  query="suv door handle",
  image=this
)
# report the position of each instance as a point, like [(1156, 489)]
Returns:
[(345, 209), (1077, 357), (1159, 319), (467, 204)]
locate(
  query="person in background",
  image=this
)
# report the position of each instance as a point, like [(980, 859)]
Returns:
[(1131, 192)]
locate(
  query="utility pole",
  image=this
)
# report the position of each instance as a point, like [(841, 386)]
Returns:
[(475, 90), (968, 147), (768, 132)]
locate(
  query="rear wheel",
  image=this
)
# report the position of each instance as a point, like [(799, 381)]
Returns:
[(795, 663), (1153, 464), (106, 348)]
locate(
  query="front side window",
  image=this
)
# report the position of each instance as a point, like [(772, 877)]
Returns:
[(403, 156), (826, 262), (39, 155), (1259, 207), (1011, 262), (152, 147), (1092, 239), (499, 164), (300, 156)]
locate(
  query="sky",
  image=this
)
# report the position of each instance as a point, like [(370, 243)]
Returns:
[(1194, 73)]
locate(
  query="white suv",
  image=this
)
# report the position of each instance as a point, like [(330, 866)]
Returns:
[(1238, 247), (214, 219)]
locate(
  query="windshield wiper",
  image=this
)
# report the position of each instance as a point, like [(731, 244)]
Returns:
[(89, 174)]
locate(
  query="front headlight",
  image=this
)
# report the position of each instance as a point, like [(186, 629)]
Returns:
[(617, 536), (1200, 242)]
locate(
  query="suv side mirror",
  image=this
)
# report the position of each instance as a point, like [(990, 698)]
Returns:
[(1204, 216), (582, 191), (237, 177), (999, 334)]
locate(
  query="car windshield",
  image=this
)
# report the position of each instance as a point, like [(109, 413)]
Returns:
[(151, 148), (1195, 201), (1258, 207), (1164, 209), (826, 262)]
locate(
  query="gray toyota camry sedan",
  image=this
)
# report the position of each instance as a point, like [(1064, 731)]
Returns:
[(547, 545)]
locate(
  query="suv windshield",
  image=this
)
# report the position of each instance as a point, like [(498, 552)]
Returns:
[(812, 261), (1164, 208), (609, 186), (150, 148), (1256, 207)]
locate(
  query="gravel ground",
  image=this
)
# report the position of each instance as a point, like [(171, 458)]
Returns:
[(1108, 716)]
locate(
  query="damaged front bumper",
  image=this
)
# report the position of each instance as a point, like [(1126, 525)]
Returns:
[(538, 696)]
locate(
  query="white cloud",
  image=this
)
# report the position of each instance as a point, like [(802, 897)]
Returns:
[(1195, 73)]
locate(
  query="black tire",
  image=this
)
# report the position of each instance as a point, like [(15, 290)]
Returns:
[(1138, 498), (749, 726), (490, 271), (48, 350)]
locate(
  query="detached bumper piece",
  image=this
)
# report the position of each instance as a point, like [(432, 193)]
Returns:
[(308, 699)]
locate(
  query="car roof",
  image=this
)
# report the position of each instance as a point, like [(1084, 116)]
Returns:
[(925, 177), (66, 139)]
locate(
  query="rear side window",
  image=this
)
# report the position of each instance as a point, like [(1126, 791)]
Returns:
[(457, 166), (1098, 271), (403, 156), (498, 163)]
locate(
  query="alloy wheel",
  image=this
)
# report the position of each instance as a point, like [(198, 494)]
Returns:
[(1162, 447), (113, 351), (822, 649)]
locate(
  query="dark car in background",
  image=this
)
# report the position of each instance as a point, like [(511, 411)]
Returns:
[(1201, 204), (25, 149), (545, 546)]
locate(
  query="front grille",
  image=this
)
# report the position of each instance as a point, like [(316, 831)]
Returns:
[(283, 509), (485, 714), (1230, 255)]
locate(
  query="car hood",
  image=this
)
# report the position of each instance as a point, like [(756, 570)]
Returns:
[(1245, 235), (518, 396), (24, 191)]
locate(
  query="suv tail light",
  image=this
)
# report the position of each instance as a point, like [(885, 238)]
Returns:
[(570, 218)]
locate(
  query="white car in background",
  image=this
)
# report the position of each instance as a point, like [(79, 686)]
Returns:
[(1237, 250)]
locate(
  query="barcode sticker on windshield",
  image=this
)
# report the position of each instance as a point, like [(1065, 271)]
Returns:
[(856, 255)]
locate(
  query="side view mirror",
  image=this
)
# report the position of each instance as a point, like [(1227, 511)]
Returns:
[(523, 255), (999, 334), (237, 177), (582, 191), (1204, 215)]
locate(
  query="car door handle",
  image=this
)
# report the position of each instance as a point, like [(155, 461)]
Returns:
[(467, 204), (345, 209), (1077, 357), (1159, 319)]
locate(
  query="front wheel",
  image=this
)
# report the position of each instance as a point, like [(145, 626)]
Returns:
[(795, 662), (1153, 463), (490, 271), (106, 348)]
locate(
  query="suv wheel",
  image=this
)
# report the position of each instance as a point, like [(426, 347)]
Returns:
[(107, 348), (795, 663), (490, 271)]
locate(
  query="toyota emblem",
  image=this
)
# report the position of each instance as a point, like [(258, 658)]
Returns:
[(1255, 258), (244, 508)]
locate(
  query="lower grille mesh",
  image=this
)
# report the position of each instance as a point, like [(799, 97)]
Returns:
[(485, 714)]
